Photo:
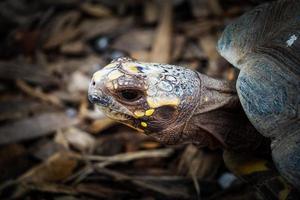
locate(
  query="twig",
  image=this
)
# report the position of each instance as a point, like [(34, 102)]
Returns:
[(161, 49), (155, 188), (119, 158), (197, 187), (38, 93), (126, 157)]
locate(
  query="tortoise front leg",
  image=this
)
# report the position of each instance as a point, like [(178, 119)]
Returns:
[(286, 156), (261, 174)]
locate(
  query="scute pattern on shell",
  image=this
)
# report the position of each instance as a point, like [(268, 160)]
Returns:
[(265, 45), (269, 82)]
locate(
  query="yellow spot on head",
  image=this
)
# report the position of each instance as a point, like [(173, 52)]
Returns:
[(144, 124), (139, 113), (114, 75), (162, 101), (149, 112), (133, 69), (206, 99)]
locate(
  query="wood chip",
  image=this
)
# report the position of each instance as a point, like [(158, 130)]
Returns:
[(93, 28), (150, 145), (44, 149), (141, 55), (57, 168), (24, 188), (76, 48), (16, 108), (215, 7), (37, 126), (101, 124), (78, 83), (217, 65), (208, 43), (199, 8), (95, 10), (126, 157), (165, 191), (13, 161), (37, 93), (179, 44), (197, 163), (151, 11), (64, 30), (100, 191), (161, 50), (195, 29), (78, 139), (134, 40), (28, 72)]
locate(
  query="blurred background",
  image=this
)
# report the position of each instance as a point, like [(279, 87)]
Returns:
[(55, 146)]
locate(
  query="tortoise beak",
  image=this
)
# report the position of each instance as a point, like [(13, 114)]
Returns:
[(99, 100), (96, 96)]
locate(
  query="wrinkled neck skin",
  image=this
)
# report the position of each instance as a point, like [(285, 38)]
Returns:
[(218, 120)]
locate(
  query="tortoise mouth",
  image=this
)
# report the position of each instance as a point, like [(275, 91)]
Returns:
[(114, 114), (121, 117)]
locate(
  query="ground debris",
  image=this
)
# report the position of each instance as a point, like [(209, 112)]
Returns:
[(37, 126), (54, 145), (56, 168)]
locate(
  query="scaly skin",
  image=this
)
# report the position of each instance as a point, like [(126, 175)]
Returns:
[(175, 105), (264, 44)]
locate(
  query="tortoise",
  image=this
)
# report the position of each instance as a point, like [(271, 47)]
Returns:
[(257, 115)]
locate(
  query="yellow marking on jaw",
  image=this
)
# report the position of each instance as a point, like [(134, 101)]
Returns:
[(149, 112), (139, 113), (114, 75), (144, 124), (251, 167), (158, 102)]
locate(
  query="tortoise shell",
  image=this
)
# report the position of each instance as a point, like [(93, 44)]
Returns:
[(265, 45)]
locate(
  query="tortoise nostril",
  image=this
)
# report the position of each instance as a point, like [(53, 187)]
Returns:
[(93, 83)]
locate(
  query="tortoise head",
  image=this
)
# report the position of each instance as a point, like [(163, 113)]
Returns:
[(153, 98)]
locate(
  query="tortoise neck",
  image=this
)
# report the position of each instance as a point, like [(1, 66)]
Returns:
[(216, 94), (219, 120)]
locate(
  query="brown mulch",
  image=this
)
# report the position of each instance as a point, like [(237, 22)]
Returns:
[(55, 145)]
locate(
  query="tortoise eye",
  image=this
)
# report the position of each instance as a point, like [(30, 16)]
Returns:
[(130, 95)]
